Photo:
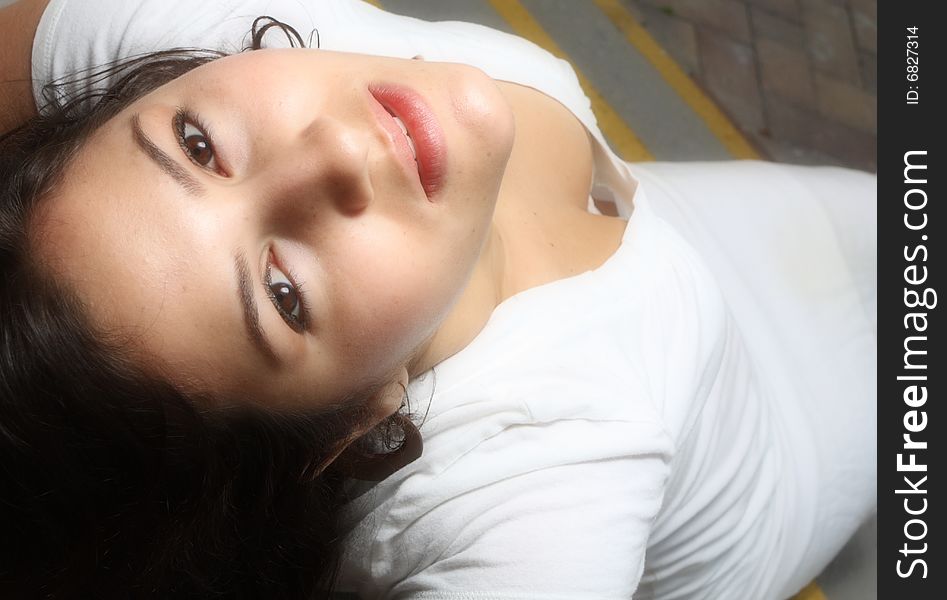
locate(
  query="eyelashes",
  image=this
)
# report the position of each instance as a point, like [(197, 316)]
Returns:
[(284, 291), (195, 137)]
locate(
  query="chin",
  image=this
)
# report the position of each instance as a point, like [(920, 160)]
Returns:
[(481, 108)]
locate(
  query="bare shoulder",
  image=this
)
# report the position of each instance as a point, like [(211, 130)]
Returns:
[(18, 23)]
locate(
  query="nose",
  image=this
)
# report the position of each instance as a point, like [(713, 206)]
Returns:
[(323, 167)]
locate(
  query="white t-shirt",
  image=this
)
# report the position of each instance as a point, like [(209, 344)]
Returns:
[(635, 429)]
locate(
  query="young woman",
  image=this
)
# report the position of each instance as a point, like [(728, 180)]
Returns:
[(223, 277)]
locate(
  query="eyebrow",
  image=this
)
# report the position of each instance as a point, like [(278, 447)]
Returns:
[(167, 164), (251, 316)]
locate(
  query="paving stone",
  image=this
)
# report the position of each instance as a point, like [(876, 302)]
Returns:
[(787, 152), (868, 8), (853, 573), (728, 71), (784, 71), (776, 28), (768, 88), (727, 16), (788, 9), (866, 30), (869, 69), (846, 103), (676, 36), (830, 42), (635, 8), (796, 125)]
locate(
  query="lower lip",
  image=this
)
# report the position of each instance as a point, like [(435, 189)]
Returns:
[(425, 131)]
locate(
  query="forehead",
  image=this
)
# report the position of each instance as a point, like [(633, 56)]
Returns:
[(250, 71), (137, 251)]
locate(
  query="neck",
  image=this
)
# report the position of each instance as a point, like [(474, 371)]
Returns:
[(489, 285)]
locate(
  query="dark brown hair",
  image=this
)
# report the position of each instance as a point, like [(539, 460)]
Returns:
[(114, 483)]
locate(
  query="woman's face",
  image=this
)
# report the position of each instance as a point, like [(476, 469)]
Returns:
[(286, 179)]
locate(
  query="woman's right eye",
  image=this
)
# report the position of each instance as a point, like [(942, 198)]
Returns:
[(287, 296), (195, 141)]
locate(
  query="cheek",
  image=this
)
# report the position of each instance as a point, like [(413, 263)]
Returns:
[(393, 293)]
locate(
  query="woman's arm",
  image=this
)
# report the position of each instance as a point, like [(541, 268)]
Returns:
[(17, 27)]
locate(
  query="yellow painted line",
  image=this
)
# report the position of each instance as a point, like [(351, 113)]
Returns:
[(374, 3), (623, 139), (704, 107), (810, 592)]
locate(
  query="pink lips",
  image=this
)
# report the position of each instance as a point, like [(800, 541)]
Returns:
[(424, 129)]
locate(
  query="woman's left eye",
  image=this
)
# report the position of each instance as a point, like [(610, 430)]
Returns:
[(195, 141)]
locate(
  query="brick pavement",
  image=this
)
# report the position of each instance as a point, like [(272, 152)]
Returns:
[(797, 76)]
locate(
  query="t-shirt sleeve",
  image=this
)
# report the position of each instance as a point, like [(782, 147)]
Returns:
[(516, 518), (76, 35)]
